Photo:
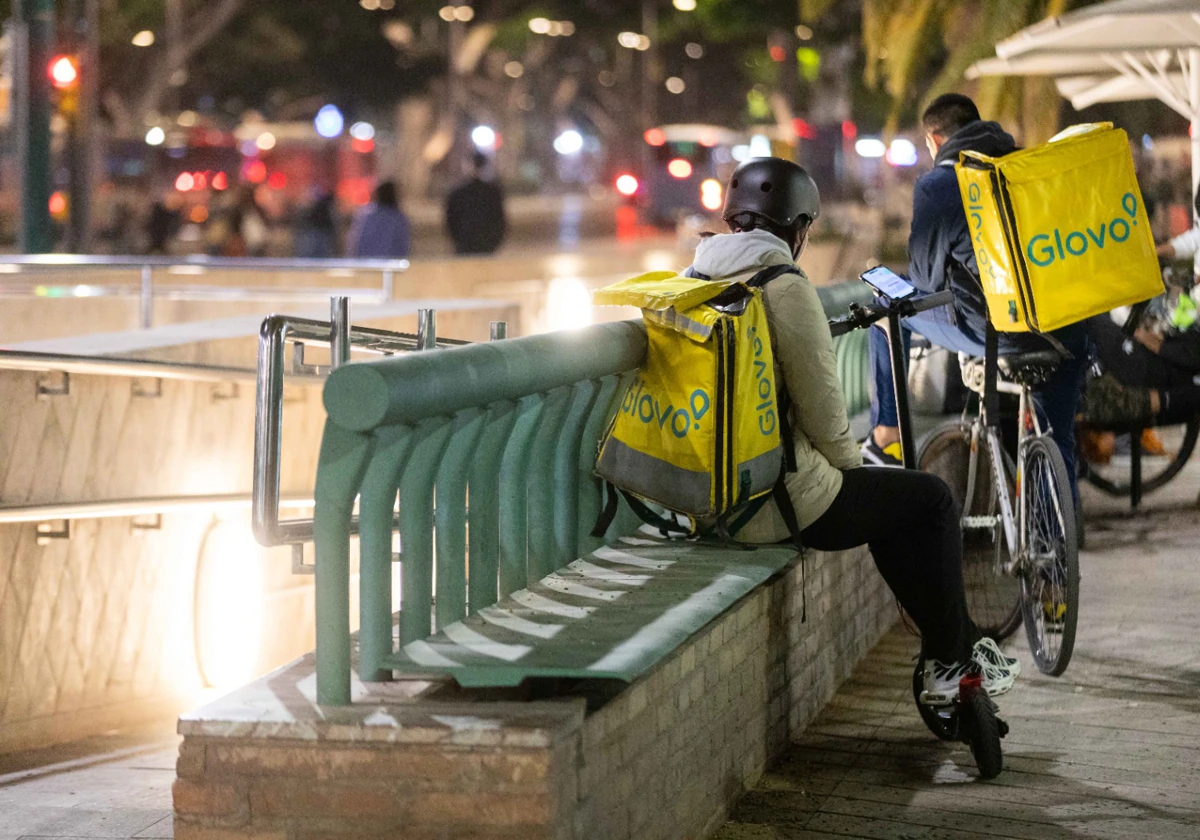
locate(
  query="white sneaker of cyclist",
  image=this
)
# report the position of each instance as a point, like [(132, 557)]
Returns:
[(988, 654), (942, 681)]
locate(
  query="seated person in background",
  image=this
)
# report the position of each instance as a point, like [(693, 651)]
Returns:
[(1160, 373), (907, 519), (1185, 245)]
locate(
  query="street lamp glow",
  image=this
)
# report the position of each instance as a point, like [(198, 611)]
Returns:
[(265, 141), (694, 50), (145, 38), (685, 5), (464, 13), (514, 69), (643, 43), (484, 137), (760, 146), (155, 136), (539, 26), (803, 32), (329, 122), (629, 40), (446, 13), (676, 85), (362, 131), (870, 147), (627, 185), (570, 142), (902, 152)]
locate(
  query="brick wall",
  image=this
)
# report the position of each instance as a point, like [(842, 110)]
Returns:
[(664, 758)]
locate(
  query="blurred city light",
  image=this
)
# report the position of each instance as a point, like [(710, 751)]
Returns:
[(676, 85), (185, 181), (685, 5), (694, 50), (228, 605), (656, 137), (870, 147), (803, 32), (220, 182), (710, 194), (849, 130), (760, 146), (369, 5), (362, 131), (187, 119), (145, 38), (902, 152), (514, 69), (803, 129), (740, 153), (570, 142), (58, 204), (709, 138), (627, 184), (265, 141), (633, 41), (539, 26), (156, 136), (568, 303), (680, 168), (256, 172), (63, 71), (484, 137), (446, 13), (329, 122), (277, 181)]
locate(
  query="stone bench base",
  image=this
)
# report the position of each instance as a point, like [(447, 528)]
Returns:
[(663, 758)]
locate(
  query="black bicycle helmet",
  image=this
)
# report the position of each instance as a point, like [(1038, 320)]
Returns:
[(774, 189)]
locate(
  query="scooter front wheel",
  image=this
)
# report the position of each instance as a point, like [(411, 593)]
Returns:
[(982, 730)]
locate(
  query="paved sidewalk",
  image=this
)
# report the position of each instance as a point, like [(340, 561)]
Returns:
[(112, 786), (1109, 750)]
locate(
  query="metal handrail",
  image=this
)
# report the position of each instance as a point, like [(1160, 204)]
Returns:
[(340, 336), (139, 506), (15, 263), (112, 366)]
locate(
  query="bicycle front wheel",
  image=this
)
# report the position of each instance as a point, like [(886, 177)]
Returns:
[(1049, 571), (993, 595)]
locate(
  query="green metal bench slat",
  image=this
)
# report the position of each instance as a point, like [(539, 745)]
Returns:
[(450, 516), (484, 509)]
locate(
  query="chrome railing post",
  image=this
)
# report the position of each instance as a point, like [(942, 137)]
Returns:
[(268, 423), (426, 329), (339, 331), (498, 330), (146, 299)]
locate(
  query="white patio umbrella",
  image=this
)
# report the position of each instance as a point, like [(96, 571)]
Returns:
[(1117, 51)]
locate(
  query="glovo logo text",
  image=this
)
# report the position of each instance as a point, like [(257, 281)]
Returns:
[(983, 258), (1045, 249), (764, 386), (648, 409)]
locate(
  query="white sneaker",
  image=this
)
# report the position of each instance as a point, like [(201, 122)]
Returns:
[(941, 681), (988, 654)]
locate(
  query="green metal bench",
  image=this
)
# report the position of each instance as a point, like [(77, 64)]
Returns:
[(511, 585)]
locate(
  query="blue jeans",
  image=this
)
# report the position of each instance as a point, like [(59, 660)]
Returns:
[(1056, 399)]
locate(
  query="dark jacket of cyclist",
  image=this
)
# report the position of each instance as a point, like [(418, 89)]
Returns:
[(908, 519), (939, 246)]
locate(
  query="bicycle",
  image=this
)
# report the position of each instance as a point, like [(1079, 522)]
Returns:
[(972, 717), (1020, 546)]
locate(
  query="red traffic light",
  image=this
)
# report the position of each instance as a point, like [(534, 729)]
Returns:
[(64, 72)]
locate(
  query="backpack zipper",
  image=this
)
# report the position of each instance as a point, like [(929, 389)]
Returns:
[(720, 424)]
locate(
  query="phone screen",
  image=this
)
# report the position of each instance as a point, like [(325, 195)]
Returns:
[(888, 283)]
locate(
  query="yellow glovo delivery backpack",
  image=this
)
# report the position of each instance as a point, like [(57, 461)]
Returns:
[(1059, 230), (701, 429)]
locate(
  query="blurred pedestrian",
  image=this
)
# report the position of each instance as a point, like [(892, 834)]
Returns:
[(475, 216), (316, 229), (240, 230), (380, 230), (161, 224)]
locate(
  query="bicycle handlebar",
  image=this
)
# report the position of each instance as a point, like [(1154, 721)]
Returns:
[(860, 317)]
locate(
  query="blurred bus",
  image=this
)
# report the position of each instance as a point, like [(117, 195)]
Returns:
[(685, 168)]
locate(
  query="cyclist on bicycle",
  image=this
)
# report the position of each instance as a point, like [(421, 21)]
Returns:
[(907, 519), (941, 257)]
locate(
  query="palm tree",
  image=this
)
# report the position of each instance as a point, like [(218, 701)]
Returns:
[(907, 40)]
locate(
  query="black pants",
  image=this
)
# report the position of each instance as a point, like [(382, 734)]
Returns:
[(1135, 366), (910, 523)]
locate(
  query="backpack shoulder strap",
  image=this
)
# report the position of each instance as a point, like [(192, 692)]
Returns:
[(768, 274)]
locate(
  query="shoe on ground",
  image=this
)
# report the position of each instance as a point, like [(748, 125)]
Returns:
[(874, 455), (1152, 444), (1096, 446)]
